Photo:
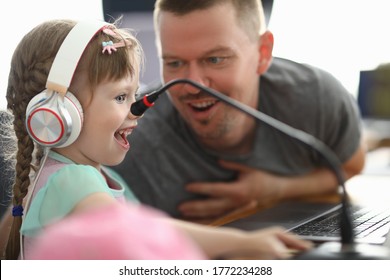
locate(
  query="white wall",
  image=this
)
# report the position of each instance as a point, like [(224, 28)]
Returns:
[(20, 16), (341, 36)]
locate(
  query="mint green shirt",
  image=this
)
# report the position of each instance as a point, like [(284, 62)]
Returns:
[(62, 184)]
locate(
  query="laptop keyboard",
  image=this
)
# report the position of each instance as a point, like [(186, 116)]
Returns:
[(366, 221)]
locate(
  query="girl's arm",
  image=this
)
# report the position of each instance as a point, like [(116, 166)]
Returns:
[(269, 243), (222, 242)]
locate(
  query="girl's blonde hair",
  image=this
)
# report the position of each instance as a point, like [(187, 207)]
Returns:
[(30, 66)]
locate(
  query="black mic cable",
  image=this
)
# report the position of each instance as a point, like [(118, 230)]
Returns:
[(347, 235)]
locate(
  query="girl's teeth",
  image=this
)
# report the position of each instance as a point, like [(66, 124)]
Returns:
[(124, 132)]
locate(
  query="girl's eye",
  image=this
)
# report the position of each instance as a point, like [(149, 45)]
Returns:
[(120, 98)]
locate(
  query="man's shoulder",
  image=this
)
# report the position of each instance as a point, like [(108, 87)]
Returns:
[(283, 68), (300, 78), (308, 90), (289, 79)]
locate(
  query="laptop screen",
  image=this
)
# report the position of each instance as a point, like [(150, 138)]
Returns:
[(374, 94)]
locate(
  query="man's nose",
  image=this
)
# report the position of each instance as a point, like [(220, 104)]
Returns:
[(195, 73)]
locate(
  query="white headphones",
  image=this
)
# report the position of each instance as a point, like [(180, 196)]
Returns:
[(54, 117)]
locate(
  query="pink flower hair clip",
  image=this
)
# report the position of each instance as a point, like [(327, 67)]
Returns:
[(109, 46)]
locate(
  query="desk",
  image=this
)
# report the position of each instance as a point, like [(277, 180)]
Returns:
[(374, 140), (378, 162)]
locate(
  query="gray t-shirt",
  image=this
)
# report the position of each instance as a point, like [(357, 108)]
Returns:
[(165, 156)]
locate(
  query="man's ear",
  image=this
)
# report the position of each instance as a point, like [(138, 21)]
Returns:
[(266, 44)]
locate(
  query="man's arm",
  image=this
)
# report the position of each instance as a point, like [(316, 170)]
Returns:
[(321, 180), (262, 186)]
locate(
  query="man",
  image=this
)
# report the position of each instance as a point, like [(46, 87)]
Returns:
[(197, 157)]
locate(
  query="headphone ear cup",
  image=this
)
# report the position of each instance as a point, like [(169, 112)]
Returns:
[(75, 111), (52, 123)]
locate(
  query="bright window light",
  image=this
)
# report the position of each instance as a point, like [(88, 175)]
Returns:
[(20, 16), (340, 36)]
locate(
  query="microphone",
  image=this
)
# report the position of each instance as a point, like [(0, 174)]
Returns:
[(347, 248)]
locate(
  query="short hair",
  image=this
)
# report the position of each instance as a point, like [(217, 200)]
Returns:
[(249, 13)]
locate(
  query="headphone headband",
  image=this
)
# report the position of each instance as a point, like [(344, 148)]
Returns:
[(69, 54)]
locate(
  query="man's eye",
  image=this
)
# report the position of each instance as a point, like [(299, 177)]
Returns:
[(173, 64), (215, 60)]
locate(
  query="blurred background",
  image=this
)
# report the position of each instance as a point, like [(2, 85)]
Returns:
[(342, 37)]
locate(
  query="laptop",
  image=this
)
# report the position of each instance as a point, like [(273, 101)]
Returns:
[(319, 222), (370, 223), (373, 98)]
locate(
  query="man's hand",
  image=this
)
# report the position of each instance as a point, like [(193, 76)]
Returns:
[(251, 185)]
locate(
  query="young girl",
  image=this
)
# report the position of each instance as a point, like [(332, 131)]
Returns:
[(71, 118)]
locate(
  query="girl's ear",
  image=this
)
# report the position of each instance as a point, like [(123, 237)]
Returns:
[(266, 44)]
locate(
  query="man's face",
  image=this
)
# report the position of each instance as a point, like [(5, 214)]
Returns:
[(210, 48)]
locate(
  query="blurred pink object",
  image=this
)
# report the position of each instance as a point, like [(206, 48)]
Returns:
[(115, 232)]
